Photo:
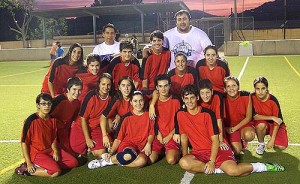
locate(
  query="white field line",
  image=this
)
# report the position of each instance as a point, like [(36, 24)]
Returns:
[(243, 69), (294, 69), (23, 73)]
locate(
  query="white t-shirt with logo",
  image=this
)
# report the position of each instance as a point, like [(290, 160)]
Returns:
[(192, 44), (106, 51)]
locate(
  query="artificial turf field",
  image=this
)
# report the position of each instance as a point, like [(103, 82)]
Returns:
[(20, 82)]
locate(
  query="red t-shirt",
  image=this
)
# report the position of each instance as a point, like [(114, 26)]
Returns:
[(117, 107), (58, 75), (199, 127), (117, 69), (154, 65), (92, 108), (270, 107), (165, 113), (179, 82), (216, 105), (65, 112), (216, 75), (39, 134), (89, 81), (135, 129), (236, 109)]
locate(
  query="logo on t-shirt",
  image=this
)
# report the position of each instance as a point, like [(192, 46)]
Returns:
[(183, 47), (107, 57)]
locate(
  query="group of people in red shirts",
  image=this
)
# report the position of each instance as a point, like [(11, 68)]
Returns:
[(131, 115)]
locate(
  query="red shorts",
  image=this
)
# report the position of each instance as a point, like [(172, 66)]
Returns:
[(158, 147), (222, 156), (281, 138), (67, 161), (78, 143), (236, 136), (127, 144)]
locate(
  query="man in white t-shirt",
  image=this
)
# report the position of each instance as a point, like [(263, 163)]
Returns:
[(187, 39), (109, 48)]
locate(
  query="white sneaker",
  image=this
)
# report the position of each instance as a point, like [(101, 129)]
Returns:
[(94, 164), (260, 149)]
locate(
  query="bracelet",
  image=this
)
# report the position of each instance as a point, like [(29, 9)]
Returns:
[(231, 130)]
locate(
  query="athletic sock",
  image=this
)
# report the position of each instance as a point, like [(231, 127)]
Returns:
[(218, 171), (258, 167), (105, 163)]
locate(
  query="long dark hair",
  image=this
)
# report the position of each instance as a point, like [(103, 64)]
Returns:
[(67, 57), (119, 93)]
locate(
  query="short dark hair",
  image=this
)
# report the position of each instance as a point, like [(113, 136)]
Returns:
[(110, 25), (261, 79), (211, 47), (205, 84), (162, 77), (236, 80), (180, 12), (126, 45), (92, 57), (157, 34), (189, 89), (74, 81), (44, 96)]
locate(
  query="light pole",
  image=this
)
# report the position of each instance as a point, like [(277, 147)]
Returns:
[(235, 15)]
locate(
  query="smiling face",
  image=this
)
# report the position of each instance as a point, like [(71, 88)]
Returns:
[(261, 91), (94, 67), (180, 64), (157, 44), (190, 102), (206, 95), (74, 92), (183, 23), (104, 86), (125, 88), (231, 88), (211, 57), (137, 103), (75, 55), (126, 55)]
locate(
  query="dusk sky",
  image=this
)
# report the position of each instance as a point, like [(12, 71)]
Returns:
[(215, 7)]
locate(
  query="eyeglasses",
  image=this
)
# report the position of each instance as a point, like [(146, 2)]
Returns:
[(45, 104)]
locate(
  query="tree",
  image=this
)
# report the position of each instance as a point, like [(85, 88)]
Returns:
[(22, 19), (54, 27)]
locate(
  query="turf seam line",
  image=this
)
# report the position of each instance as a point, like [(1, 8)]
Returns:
[(11, 167), (243, 69), (12, 75), (286, 59)]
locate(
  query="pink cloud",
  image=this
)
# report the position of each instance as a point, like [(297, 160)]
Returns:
[(215, 7)]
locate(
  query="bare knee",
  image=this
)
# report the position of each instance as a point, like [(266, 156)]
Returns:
[(184, 164), (261, 127), (248, 136), (172, 160), (281, 147), (55, 174)]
